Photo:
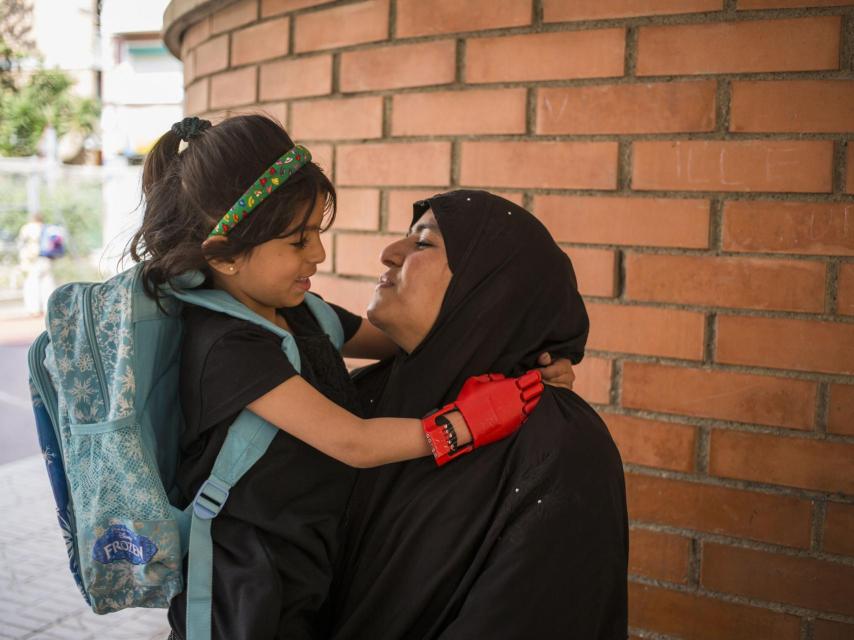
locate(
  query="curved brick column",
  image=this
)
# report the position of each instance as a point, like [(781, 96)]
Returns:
[(695, 159)]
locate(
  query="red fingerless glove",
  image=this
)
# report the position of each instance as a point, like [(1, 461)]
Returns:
[(493, 407)]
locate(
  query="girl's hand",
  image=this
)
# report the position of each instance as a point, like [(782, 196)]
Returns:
[(492, 408), (558, 373)]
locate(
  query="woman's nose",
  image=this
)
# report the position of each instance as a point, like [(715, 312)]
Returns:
[(392, 255)]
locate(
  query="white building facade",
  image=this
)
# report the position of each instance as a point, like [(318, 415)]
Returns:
[(142, 95), (142, 83)]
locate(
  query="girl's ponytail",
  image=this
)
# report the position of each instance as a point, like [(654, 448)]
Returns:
[(161, 186), (158, 160)]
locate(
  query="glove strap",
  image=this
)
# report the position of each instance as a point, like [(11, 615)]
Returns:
[(442, 437)]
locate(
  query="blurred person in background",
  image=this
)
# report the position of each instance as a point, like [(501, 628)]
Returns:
[(37, 268)]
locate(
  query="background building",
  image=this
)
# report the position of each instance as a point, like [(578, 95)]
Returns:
[(695, 158), (142, 85), (65, 35), (142, 94)]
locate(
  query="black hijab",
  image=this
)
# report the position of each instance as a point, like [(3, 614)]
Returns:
[(513, 294), (525, 538)]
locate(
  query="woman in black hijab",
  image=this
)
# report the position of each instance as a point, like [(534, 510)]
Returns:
[(524, 539)]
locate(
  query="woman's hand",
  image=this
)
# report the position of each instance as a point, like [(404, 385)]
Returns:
[(558, 373)]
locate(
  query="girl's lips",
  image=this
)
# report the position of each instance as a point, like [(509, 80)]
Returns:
[(304, 283), (384, 282)]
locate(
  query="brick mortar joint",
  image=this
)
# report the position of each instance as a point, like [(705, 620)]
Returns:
[(822, 414), (392, 20), (832, 287), (819, 520), (616, 390), (846, 49), (631, 52), (530, 111), (695, 559), (625, 161), (460, 52), (537, 14), (710, 339), (702, 451)]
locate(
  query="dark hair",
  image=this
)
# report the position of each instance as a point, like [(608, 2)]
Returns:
[(187, 193)]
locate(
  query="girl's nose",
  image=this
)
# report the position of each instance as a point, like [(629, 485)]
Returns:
[(318, 255)]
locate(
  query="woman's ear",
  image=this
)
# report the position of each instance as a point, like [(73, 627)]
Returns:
[(224, 267)]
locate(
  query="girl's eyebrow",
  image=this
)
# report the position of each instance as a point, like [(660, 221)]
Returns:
[(301, 232)]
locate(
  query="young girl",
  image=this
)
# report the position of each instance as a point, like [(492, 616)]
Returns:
[(276, 538)]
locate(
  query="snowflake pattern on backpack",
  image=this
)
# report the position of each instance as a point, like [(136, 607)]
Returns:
[(115, 345)]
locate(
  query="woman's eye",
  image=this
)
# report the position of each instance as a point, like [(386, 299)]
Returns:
[(300, 244), (422, 243)]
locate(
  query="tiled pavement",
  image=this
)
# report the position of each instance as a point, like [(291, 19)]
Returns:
[(38, 597)]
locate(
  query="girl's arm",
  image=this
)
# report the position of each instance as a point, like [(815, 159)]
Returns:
[(299, 409), (493, 409), (369, 342)]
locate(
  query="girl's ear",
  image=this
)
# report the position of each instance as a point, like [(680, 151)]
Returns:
[(224, 267)]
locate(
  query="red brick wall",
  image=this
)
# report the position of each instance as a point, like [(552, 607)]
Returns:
[(696, 160)]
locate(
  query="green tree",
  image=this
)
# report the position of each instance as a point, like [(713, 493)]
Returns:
[(15, 42), (45, 99), (32, 101)]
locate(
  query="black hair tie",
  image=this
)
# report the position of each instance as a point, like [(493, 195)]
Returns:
[(189, 128)]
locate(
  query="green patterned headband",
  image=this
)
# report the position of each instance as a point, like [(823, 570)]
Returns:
[(270, 180)]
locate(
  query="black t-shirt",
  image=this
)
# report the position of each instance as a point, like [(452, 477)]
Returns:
[(276, 539)]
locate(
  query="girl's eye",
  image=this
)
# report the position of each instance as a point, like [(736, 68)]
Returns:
[(300, 244), (422, 243)]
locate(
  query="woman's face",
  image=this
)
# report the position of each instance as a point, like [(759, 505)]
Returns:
[(409, 294)]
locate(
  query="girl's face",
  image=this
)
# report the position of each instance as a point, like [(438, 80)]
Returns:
[(277, 273), (409, 295)]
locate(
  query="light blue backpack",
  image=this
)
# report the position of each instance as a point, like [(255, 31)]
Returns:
[(104, 377)]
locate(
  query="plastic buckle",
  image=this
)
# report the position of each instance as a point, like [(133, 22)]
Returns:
[(210, 499)]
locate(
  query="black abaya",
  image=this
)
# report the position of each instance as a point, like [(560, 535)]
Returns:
[(525, 538)]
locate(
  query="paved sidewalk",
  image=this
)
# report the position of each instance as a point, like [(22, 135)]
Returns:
[(16, 330), (38, 597)]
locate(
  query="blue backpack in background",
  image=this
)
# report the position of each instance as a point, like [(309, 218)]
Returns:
[(52, 241), (104, 379)]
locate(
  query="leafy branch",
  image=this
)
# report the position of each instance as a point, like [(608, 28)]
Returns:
[(32, 101)]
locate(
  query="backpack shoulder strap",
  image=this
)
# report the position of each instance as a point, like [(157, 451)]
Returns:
[(327, 318), (247, 440), (218, 300), (221, 301)]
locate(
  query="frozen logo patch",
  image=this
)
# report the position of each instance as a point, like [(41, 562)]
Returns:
[(120, 543)]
